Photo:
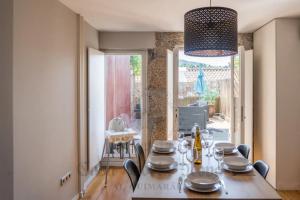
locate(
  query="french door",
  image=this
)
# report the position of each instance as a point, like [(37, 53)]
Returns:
[(241, 88), (242, 98)]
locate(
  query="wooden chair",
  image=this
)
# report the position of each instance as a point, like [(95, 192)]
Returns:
[(244, 150), (132, 171), (141, 155), (262, 168)]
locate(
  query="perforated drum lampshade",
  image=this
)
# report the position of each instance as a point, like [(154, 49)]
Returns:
[(210, 32)]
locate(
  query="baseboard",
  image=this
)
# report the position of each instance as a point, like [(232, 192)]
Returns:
[(88, 181), (76, 197)]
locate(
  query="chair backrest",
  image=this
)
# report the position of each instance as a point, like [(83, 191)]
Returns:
[(141, 155), (244, 150), (132, 171), (262, 168)]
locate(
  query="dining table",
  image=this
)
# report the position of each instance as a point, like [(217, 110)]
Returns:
[(168, 185)]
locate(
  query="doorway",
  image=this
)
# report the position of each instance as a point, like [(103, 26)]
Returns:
[(125, 97), (210, 91)]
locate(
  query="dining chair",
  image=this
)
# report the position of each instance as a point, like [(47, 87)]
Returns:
[(141, 155), (262, 168), (132, 171), (244, 149)]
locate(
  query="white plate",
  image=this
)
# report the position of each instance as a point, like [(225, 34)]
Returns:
[(189, 186), (170, 168), (248, 169), (161, 161), (203, 180), (228, 147), (163, 145), (232, 152), (163, 152), (236, 162)]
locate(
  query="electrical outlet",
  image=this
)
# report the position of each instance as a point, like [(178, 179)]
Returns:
[(65, 178)]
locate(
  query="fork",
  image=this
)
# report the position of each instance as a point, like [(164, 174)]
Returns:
[(180, 180)]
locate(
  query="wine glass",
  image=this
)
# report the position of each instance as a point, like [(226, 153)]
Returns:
[(208, 142), (180, 136), (182, 148), (219, 156)]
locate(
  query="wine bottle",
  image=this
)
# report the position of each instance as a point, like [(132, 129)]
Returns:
[(197, 149)]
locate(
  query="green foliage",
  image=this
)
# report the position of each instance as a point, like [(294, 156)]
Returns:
[(210, 96), (136, 64)]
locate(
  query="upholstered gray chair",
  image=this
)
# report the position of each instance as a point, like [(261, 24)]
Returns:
[(141, 156), (262, 168), (244, 150)]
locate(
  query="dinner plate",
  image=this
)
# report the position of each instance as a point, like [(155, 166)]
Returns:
[(203, 179), (236, 162), (172, 150), (247, 169), (170, 168), (161, 161), (188, 185)]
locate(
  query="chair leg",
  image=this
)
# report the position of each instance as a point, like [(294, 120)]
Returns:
[(128, 149)]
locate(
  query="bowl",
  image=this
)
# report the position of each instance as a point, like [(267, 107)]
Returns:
[(228, 147), (236, 162), (161, 161), (163, 145), (203, 179)]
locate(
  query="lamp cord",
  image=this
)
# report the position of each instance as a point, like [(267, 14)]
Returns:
[(209, 3)]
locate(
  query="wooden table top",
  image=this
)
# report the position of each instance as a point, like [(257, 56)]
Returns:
[(164, 185)]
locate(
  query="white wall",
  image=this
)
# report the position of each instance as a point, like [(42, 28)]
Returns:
[(288, 103), (264, 116), (276, 101), (6, 119), (44, 90), (127, 40)]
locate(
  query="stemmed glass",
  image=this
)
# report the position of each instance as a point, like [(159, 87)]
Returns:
[(219, 156), (208, 140), (180, 136), (182, 148)]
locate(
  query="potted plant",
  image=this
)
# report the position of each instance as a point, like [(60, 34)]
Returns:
[(210, 97)]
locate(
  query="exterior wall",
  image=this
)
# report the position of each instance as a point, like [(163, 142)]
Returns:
[(288, 107), (264, 75), (44, 91), (6, 107)]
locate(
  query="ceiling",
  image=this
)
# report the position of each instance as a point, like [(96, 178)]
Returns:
[(167, 15)]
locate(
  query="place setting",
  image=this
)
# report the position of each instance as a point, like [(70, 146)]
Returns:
[(203, 181), (237, 164), (163, 147), (162, 163)]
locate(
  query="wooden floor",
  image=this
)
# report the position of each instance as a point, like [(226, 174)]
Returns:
[(119, 187)]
